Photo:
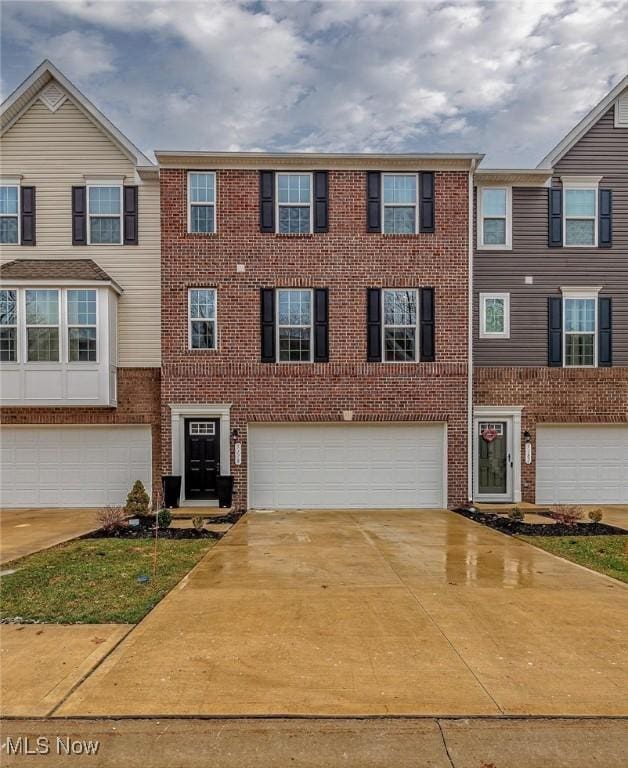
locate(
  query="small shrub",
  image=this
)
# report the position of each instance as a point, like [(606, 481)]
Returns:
[(164, 518), (198, 523), (138, 500), (596, 515), (111, 518), (566, 514), (517, 514)]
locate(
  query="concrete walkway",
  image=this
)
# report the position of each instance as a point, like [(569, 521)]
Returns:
[(372, 613), (24, 531)]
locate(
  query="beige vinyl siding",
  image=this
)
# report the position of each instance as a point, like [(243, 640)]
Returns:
[(53, 151)]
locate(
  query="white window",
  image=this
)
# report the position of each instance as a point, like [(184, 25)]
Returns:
[(294, 203), (580, 213), (42, 325), (494, 315), (294, 326), (8, 326), (579, 329), (399, 327), (494, 218), (9, 213), (399, 209), (202, 202), (104, 205), (202, 318), (82, 326)]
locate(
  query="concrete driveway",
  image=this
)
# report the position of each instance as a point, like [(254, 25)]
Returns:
[(23, 531), (362, 613)]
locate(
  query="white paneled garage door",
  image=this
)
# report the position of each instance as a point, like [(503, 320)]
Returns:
[(72, 466), (346, 466), (582, 464)]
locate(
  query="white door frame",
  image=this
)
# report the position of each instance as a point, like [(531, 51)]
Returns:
[(178, 415), (512, 416)]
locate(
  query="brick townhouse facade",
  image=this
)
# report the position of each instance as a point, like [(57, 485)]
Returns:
[(341, 425)]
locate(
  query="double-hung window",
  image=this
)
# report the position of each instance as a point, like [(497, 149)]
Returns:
[(399, 209), (104, 206), (494, 315), (82, 326), (400, 324), (202, 202), (580, 329), (9, 213), (294, 325), (202, 318), (494, 217), (580, 214), (8, 326), (42, 325), (294, 203)]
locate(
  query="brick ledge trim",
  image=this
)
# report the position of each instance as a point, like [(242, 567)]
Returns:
[(550, 374), (336, 417), (315, 370)]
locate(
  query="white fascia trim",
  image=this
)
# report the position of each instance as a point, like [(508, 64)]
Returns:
[(498, 410), (11, 181), (56, 283), (580, 181), (96, 180), (581, 289)]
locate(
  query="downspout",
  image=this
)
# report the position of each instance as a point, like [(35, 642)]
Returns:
[(474, 164)]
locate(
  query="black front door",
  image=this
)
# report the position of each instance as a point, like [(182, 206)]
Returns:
[(202, 458)]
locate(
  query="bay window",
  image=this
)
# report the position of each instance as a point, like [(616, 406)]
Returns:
[(81, 309), (42, 325), (8, 326)]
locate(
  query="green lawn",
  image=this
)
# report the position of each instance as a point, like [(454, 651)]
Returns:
[(94, 581), (606, 554)]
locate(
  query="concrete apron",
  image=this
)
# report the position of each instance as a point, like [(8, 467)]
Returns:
[(371, 613)]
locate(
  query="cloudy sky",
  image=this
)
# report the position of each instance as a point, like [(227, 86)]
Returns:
[(508, 78)]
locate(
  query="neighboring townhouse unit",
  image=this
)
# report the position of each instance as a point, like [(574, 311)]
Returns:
[(315, 327), (551, 320), (79, 302)]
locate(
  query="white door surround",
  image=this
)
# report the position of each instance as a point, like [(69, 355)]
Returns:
[(178, 415), (511, 415)]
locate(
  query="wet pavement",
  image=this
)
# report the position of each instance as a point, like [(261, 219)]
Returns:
[(372, 613)]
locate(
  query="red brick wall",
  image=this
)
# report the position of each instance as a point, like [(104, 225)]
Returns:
[(347, 260), (554, 395), (138, 403)]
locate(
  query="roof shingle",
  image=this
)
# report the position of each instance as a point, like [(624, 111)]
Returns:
[(54, 269)]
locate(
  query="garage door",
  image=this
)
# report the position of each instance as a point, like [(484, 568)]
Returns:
[(73, 466), (346, 466), (582, 465)]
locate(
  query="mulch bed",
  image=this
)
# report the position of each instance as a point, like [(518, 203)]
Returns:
[(512, 527), (146, 529)]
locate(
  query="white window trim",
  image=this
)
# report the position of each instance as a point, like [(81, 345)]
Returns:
[(120, 216), (581, 182), (58, 325), (190, 203), (68, 326), (401, 205), (293, 205), (214, 319), (15, 325), (581, 293), (14, 183), (415, 326), (505, 334), (507, 246), (311, 327)]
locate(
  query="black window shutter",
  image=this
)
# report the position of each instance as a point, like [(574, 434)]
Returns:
[(426, 202), (555, 217), (130, 215), (27, 209), (605, 332), (321, 205), (321, 325), (79, 216), (267, 305), (605, 235), (373, 201), (374, 325), (267, 201), (428, 347), (555, 331)]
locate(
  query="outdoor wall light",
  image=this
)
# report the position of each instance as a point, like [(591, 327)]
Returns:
[(526, 437), (235, 435)]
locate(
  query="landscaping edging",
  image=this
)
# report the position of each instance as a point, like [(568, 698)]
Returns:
[(514, 527)]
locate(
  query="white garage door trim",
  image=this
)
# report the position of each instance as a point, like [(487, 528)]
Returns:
[(73, 465), (376, 496), (582, 464)]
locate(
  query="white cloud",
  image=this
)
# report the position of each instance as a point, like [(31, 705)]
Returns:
[(508, 78)]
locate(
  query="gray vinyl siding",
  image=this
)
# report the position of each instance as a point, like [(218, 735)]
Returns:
[(602, 151)]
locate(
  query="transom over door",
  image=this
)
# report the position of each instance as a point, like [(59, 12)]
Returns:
[(202, 458)]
